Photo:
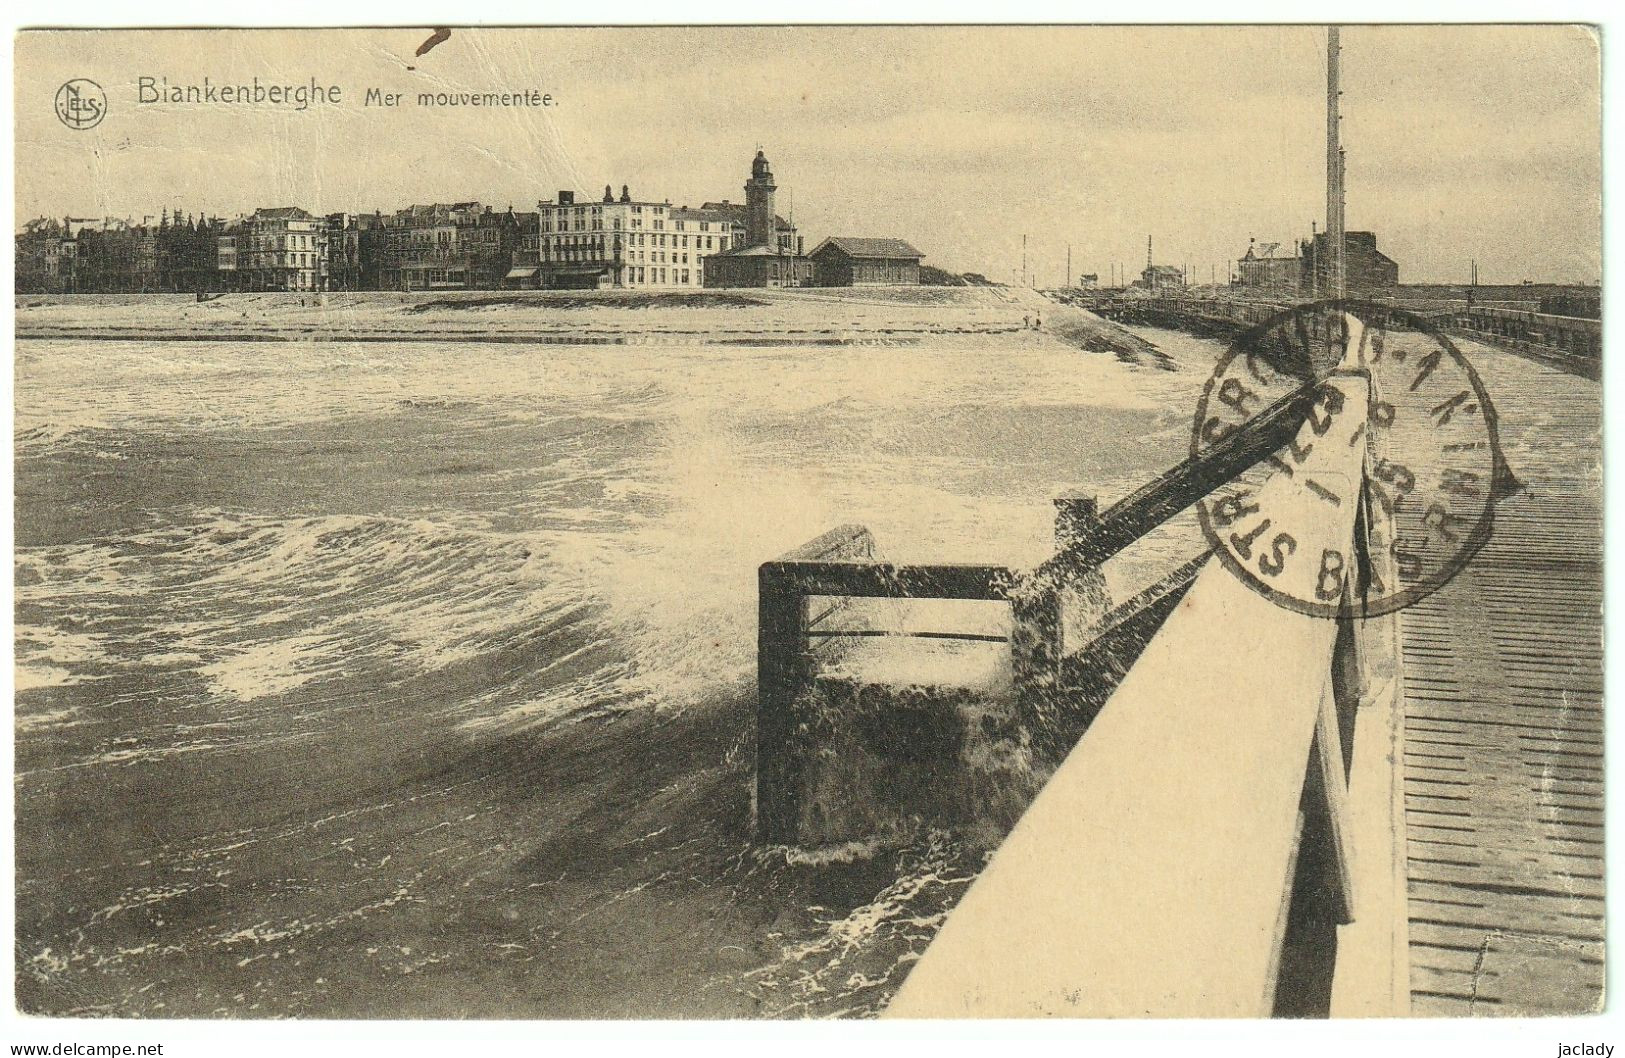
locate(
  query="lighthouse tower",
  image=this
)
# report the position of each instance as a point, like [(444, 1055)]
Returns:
[(759, 224)]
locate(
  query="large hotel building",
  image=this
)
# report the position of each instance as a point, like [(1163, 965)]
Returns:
[(619, 242)]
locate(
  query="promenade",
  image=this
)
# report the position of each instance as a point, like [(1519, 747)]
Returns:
[(1503, 727)]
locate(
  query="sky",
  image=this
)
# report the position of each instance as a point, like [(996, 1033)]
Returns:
[(1463, 143)]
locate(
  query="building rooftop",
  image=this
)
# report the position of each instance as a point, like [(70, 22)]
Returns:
[(731, 214), (856, 247), (1267, 251), (735, 211), (584, 201)]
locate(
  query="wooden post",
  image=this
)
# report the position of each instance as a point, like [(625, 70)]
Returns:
[(1373, 952), (1076, 515), (781, 653), (1351, 679), (1321, 896), (1038, 635), (1035, 646)]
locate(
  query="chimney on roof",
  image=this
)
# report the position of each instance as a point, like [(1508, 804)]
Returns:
[(567, 198)]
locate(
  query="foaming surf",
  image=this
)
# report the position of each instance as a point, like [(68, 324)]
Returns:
[(323, 648)]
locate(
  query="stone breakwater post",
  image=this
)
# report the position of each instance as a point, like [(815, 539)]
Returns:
[(1058, 603)]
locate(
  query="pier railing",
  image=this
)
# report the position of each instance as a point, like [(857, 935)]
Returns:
[(793, 639), (1571, 343), (1193, 853)]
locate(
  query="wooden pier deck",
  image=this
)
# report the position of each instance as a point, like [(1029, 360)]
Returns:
[(1493, 904), (1504, 728)]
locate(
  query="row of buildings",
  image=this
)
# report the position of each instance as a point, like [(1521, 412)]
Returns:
[(1307, 270), (570, 242), (1304, 272)]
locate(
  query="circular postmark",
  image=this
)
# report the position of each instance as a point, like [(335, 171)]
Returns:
[(81, 104), (1387, 484)]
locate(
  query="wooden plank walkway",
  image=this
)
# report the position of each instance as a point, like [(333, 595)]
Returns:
[(1504, 728)]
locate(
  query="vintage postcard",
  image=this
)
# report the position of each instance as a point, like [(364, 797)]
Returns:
[(808, 522)]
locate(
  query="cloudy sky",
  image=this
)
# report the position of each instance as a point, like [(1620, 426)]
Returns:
[(1463, 143)]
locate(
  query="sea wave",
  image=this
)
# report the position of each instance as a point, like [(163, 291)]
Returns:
[(50, 438), (257, 607), (849, 964)]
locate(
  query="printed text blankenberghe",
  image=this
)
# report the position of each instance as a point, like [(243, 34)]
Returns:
[(255, 92)]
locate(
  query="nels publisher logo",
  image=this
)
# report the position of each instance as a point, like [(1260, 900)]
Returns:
[(81, 104)]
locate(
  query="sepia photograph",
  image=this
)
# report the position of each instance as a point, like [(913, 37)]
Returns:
[(788, 522)]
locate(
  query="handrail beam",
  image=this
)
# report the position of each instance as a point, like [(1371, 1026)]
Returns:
[(887, 580), (1149, 506)]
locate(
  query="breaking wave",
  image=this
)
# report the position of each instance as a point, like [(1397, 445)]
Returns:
[(258, 606)]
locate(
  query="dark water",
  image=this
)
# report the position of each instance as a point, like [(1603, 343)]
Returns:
[(418, 679)]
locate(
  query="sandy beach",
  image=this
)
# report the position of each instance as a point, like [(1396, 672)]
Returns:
[(848, 316)]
